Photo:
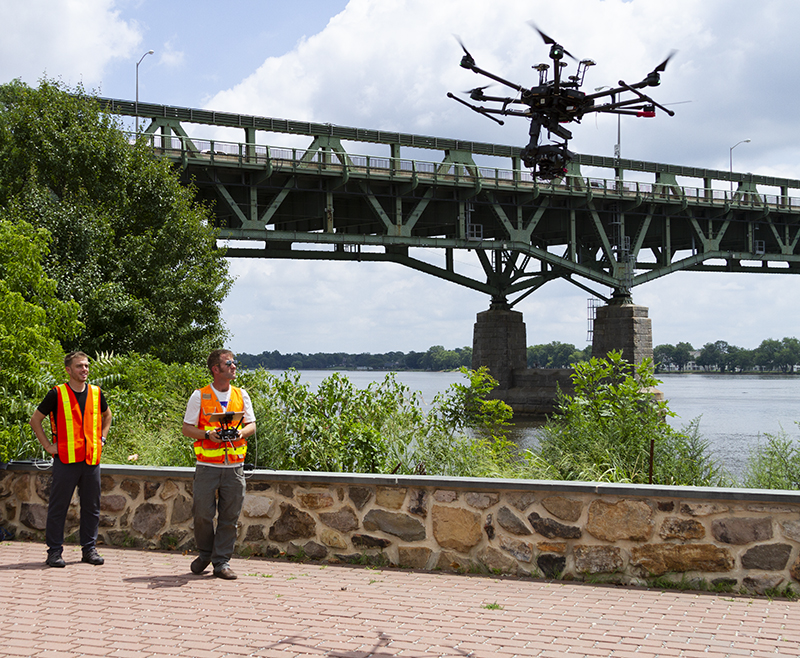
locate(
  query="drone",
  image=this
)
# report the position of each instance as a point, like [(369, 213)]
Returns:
[(556, 101)]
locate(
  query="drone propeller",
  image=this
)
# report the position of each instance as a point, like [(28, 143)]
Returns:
[(662, 67), (653, 79), (476, 94), (467, 61), (476, 89), (551, 42)]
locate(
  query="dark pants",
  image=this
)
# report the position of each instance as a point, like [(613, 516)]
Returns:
[(65, 478), (217, 492)]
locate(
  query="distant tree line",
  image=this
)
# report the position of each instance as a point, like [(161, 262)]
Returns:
[(436, 358), (719, 356)]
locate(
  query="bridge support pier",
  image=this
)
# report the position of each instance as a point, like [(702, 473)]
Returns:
[(623, 326), (499, 343)]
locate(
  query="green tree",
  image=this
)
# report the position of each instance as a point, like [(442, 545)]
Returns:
[(663, 356), (682, 355), (130, 245), (31, 324), (789, 354), (554, 355), (439, 359), (766, 354), (740, 359), (714, 356)]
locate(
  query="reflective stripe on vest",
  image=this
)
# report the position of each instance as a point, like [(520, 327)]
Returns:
[(209, 451), (78, 435)]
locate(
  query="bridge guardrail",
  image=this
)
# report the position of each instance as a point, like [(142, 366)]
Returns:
[(225, 153)]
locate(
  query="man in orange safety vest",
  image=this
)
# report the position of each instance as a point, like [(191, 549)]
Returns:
[(219, 483), (79, 423)]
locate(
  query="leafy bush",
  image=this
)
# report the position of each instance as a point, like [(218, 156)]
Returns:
[(147, 399), (379, 429), (336, 428), (603, 432)]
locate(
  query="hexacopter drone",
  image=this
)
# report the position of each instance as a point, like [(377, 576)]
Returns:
[(555, 101)]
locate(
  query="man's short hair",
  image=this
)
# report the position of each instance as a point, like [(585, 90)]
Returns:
[(215, 358), (72, 356)]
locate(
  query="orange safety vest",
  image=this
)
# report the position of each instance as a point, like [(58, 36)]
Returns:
[(77, 435), (209, 451)]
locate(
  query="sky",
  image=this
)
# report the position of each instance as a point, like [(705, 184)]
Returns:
[(388, 64)]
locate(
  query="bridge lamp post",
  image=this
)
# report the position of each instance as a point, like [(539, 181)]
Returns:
[(744, 141), (136, 108), (618, 145)]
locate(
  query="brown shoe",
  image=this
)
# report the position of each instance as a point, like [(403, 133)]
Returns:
[(199, 565), (225, 572)]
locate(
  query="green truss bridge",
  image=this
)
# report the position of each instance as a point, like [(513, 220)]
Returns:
[(624, 224), (344, 193)]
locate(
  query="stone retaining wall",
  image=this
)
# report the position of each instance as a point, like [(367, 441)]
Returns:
[(736, 539)]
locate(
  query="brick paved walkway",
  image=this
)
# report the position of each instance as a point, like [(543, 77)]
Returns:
[(141, 604)]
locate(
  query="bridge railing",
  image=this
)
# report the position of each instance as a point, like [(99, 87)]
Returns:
[(327, 162)]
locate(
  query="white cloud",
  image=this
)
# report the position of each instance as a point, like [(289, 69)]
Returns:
[(75, 41), (170, 57)]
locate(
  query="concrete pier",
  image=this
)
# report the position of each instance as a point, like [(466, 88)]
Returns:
[(623, 327), (500, 343)]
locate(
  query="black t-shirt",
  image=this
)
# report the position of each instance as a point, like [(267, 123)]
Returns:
[(50, 403)]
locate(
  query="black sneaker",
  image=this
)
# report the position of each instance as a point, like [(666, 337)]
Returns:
[(91, 556), (55, 560)]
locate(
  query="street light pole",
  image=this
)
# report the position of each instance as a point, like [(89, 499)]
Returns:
[(618, 145), (136, 107), (744, 141)]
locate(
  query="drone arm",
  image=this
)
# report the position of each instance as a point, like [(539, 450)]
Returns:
[(610, 93), (492, 76), (646, 98), (622, 106), (479, 110)]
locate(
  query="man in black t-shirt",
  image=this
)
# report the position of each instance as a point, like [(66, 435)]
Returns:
[(79, 423)]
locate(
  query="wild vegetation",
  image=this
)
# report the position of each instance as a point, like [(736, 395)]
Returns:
[(602, 433), (612, 430)]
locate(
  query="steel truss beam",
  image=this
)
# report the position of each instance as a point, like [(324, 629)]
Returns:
[(327, 202)]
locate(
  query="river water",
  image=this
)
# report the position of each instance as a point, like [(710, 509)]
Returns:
[(735, 411)]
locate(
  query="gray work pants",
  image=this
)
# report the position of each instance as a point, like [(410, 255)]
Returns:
[(217, 492)]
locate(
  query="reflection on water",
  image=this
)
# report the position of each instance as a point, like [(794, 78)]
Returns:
[(735, 411)]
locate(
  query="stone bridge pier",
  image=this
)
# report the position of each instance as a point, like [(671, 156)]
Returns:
[(500, 343)]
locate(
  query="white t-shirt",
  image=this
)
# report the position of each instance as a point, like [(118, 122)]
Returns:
[(192, 414)]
